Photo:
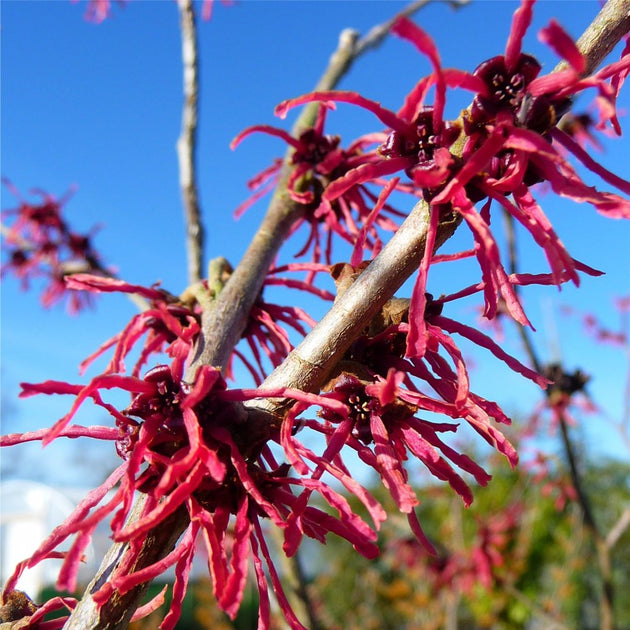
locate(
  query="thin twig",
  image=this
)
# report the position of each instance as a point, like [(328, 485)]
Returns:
[(606, 601), (375, 36), (187, 142), (618, 529), (624, 422), (603, 555), (602, 549)]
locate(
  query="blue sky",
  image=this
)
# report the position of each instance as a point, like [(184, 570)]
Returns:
[(99, 106)]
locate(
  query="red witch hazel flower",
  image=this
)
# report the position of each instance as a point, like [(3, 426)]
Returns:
[(318, 162), (99, 10), (483, 563), (192, 449), (418, 139), (40, 244), (167, 324), (552, 483), (382, 403)]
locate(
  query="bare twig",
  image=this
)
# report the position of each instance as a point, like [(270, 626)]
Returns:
[(603, 555), (187, 143), (618, 529), (624, 422), (601, 546), (375, 36)]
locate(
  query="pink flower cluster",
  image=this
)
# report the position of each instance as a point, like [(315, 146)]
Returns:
[(40, 244)]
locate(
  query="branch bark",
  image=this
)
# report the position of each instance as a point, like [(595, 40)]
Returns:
[(610, 25), (307, 367)]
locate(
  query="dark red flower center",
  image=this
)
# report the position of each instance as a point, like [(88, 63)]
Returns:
[(506, 88), (79, 244), (360, 404), (46, 214), (314, 147), (421, 141), (19, 258), (163, 402), (361, 408), (564, 384), (432, 308)]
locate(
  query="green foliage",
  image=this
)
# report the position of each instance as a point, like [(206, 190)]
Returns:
[(545, 571)]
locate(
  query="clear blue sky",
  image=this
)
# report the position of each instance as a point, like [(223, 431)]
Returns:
[(99, 106)]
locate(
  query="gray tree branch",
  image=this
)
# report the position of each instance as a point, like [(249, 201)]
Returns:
[(187, 142)]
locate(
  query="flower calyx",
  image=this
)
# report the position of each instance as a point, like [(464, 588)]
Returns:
[(507, 91)]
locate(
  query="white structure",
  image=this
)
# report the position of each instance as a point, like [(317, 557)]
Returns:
[(29, 511)]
